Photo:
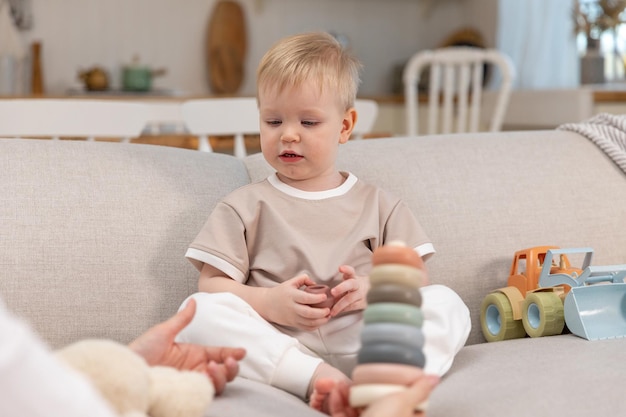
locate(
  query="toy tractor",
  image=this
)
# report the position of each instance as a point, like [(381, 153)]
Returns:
[(545, 292)]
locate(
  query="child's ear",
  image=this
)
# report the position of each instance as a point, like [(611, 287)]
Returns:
[(348, 123)]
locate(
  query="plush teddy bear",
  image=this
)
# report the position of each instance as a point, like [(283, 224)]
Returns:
[(135, 389)]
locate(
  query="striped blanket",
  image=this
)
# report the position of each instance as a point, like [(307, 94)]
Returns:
[(607, 131)]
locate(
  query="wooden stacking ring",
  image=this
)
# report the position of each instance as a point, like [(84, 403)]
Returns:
[(397, 254), (394, 313), (394, 293), (385, 373), (365, 394), (389, 353), (396, 274), (395, 333), (321, 289)]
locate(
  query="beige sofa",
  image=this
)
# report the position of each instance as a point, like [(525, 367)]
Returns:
[(92, 238)]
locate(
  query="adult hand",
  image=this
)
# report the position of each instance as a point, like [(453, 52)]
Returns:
[(403, 404), (158, 347), (288, 305), (351, 294), (400, 404)]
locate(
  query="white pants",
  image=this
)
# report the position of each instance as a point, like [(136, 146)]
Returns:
[(273, 358), (288, 361)]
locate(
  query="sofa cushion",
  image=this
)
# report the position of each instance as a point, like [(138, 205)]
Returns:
[(244, 397), (549, 376), (94, 234)]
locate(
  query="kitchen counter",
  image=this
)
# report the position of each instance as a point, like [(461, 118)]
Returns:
[(534, 109)]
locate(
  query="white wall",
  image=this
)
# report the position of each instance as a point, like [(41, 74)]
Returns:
[(77, 34)]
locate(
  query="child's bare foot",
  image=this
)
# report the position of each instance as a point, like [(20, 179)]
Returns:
[(322, 383), (321, 394)]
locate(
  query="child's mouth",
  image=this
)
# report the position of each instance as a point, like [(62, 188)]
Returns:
[(290, 157)]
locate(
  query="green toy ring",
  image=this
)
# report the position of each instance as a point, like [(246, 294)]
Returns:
[(394, 313)]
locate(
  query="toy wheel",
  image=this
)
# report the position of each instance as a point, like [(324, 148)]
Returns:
[(496, 319), (543, 314)]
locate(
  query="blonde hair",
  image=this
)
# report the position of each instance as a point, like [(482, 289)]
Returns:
[(315, 56)]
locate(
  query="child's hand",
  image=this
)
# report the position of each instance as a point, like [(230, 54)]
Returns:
[(351, 294), (288, 305)]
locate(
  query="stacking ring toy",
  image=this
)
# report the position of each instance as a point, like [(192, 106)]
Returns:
[(391, 356), (386, 352), (321, 289), (397, 254), (385, 373), (396, 274), (400, 334), (393, 312), (364, 395), (394, 293)]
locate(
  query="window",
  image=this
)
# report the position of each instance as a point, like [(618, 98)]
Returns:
[(539, 37)]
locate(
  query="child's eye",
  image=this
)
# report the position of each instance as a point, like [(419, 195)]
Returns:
[(273, 122), (309, 123)]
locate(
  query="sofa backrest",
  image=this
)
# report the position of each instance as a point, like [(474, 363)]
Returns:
[(481, 197), (93, 234)]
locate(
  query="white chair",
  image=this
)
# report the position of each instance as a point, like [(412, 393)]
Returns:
[(367, 111), (456, 73), (222, 117), (84, 118)]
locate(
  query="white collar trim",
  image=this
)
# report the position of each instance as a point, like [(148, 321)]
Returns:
[(313, 195)]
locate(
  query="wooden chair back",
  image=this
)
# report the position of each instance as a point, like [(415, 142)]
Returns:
[(455, 84)]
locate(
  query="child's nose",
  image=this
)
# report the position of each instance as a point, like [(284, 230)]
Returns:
[(290, 135)]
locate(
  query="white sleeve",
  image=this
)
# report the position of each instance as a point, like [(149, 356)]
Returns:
[(33, 383), (446, 327)]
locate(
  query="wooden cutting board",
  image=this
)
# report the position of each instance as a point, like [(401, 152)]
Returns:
[(226, 45)]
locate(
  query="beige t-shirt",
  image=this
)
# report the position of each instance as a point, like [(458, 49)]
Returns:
[(266, 233)]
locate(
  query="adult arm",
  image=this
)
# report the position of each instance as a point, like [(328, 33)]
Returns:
[(34, 383)]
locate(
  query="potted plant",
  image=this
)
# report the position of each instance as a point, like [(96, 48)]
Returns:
[(594, 18)]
